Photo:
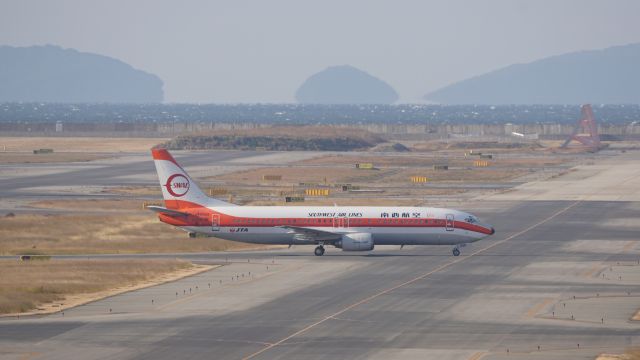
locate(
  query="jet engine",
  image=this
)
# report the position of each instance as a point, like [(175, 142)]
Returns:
[(355, 242)]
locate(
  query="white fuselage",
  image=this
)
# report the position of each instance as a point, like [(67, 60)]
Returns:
[(387, 225)]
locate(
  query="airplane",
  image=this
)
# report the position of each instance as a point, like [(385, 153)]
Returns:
[(350, 228)]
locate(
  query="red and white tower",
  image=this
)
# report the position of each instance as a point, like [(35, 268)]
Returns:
[(586, 130)]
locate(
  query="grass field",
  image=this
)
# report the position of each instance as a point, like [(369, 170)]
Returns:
[(78, 144), (101, 234), (28, 285), (631, 354), (456, 158), (394, 176), (19, 150), (319, 174)]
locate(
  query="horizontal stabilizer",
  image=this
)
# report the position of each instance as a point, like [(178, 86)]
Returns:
[(163, 210)]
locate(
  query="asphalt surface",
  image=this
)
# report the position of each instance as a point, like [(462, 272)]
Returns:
[(108, 172), (506, 295)]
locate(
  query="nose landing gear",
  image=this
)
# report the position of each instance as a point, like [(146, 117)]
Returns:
[(319, 251), (456, 249)]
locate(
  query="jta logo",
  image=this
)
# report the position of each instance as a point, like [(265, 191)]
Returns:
[(177, 185)]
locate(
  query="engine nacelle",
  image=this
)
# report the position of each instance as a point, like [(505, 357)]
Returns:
[(355, 242)]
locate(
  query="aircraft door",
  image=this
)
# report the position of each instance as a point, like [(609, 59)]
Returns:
[(215, 222), (450, 222)]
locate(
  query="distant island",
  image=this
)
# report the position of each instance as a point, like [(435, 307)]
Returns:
[(608, 76), (53, 74), (345, 85)]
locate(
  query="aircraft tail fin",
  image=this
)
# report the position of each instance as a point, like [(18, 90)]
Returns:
[(178, 188)]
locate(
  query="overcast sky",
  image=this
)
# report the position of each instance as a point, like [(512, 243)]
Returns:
[(261, 51)]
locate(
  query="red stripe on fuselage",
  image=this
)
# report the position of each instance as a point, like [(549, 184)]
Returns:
[(202, 216)]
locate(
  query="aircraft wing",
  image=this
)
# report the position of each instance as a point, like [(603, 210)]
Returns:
[(160, 209), (308, 234)]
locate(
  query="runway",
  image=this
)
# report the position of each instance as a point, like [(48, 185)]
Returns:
[(21, 183), (411, 303), (110, 172)]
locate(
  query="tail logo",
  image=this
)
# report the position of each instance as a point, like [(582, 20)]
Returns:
[(177, 185)]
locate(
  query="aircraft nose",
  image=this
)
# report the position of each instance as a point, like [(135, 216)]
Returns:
[(487, 229)]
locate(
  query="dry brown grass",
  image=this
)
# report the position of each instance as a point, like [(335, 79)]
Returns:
[(101, 234), (631, 354), (459, 175), (320, 175), (19, 150), (106, 205), (418, 161), (383, 176), (78, 144), (26, 285), (377, 160), (485, 146), (551, 143)]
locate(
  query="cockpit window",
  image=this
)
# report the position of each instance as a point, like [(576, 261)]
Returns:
[(471, 219)]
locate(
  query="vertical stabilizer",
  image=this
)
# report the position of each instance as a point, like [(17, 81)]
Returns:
[(178, 188)]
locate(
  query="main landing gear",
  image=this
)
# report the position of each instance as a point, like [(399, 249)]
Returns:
[(319, 251)]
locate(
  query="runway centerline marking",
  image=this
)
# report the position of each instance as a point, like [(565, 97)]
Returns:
[(395, 287)]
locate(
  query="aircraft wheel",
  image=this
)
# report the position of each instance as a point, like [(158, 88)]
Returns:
[(319, 251), (456, 252)]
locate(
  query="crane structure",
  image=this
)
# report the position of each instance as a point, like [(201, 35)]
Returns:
[(586, 131)]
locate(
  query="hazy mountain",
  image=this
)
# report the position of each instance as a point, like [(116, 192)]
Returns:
[(345, 85), (608, 76), (52, 74)]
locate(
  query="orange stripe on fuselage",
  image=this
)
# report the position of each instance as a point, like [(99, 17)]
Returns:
[(202, 216)]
